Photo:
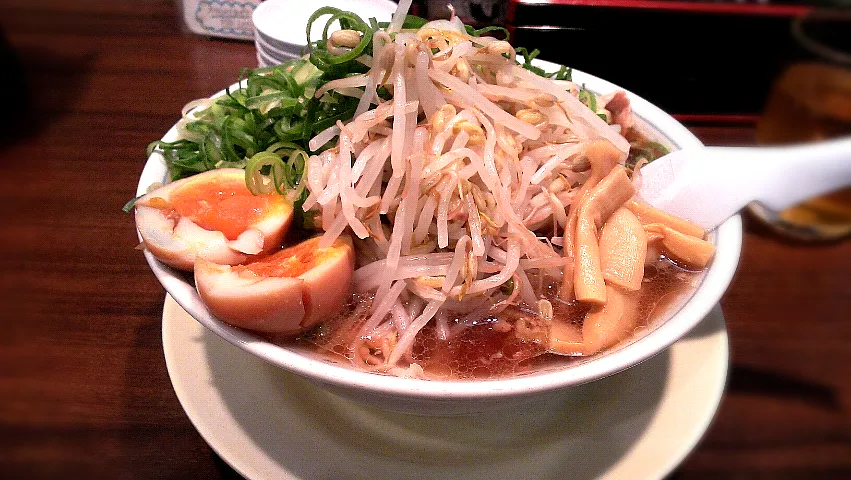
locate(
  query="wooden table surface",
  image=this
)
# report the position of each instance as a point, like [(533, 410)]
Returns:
[(84, 391)]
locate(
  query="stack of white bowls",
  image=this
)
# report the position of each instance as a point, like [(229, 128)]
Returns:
[(280, 25)]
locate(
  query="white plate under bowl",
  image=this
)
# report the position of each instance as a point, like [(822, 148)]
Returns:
[(272, 59), (270, 424), (261, 62), (292, 51)]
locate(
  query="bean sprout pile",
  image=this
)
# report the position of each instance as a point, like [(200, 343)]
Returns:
[(457, 178)]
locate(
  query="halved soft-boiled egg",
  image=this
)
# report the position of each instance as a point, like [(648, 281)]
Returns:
[(286, 293), (212, 216)]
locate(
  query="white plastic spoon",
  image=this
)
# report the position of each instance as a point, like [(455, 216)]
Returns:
[(708, 185)]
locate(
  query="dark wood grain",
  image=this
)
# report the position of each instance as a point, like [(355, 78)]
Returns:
[(84, 391)]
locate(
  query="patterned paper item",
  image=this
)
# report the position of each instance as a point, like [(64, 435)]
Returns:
[(220, 18)]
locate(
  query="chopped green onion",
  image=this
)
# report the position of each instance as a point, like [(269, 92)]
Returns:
[(490, 28), (563, 73), (265, 173), (588, 98), (319, 54), (272, 105), (128, 207)]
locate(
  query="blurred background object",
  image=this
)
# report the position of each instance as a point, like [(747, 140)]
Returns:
[(13, 80), (701, 60), (472, 12), (810, 101)]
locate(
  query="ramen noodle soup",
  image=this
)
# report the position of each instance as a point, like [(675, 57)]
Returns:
[(474, 217)]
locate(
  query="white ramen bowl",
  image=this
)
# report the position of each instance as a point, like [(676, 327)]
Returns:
[(431, 397)]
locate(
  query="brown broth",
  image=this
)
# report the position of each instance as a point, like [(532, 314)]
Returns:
[(487, 349)]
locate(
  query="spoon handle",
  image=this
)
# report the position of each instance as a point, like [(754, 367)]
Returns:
[(786, 176), (710, 184)]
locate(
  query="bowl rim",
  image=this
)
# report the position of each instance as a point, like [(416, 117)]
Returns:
[(728, 242)]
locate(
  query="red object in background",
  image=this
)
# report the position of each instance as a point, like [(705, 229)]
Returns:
[(699, 60), (726, 7)]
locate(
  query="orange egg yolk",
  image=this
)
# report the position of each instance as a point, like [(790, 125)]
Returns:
[(289, 262), (225, 205)]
